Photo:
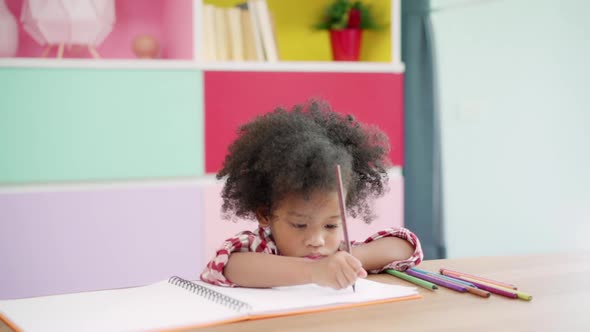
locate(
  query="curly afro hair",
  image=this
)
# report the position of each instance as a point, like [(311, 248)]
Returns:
[(296, 151)]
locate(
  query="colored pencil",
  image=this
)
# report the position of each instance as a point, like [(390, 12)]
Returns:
[(519, 294), (498, 283), (409, 278), (444, 277), (437, 281), (343, 213), (490, 289), (477, 291), (468, 286)]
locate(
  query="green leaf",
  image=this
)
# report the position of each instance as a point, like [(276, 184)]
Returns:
[(336, 16)]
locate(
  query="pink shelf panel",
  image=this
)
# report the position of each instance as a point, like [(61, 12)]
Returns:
[(169, 21), (232, 98)]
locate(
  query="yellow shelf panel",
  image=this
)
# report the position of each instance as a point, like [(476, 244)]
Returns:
[(297, 39)]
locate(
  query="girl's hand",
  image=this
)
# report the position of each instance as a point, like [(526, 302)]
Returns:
[(337, 271)]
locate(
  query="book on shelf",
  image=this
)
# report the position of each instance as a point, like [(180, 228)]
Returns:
[(234, 18), (252, 37), (266, 26), (209, 34), (221, 35), (179, 303), (250, 51), (241, 33)]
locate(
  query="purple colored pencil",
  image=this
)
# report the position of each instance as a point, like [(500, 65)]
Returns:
[(491, 289), (442, 276), (437, 281)]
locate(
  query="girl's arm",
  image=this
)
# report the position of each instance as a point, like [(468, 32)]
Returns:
[(252, 269), (378, 253)]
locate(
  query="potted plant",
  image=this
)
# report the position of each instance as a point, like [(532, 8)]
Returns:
[(346, 21)]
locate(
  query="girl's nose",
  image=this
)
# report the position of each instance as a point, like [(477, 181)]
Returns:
[(314, 239)]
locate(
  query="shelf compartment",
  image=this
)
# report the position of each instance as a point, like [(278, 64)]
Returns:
[(233, 98), (169, 21)]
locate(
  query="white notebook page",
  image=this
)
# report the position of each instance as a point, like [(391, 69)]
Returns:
[(157, 306), (280, 299), (164, 306)]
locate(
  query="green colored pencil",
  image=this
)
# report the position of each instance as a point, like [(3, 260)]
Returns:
[(414, 280)]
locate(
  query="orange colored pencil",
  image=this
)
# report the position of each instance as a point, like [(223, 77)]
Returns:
[(470, 289), (459, 274), (477, 291), (492, 289), (519, 294)]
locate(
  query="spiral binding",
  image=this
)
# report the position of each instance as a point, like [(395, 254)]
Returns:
[(209, 294)]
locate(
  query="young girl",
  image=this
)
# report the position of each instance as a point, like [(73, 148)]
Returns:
[(280, 171)]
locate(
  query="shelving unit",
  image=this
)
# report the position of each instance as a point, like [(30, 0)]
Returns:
[(115, 157), (371, 89), (374, 92), (175, 23)]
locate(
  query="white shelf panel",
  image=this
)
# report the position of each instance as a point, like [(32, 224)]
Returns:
[(205, 179), (97, 64), (307, 66)]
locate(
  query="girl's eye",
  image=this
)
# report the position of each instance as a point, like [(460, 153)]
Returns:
[(295, 225), (332, 226)]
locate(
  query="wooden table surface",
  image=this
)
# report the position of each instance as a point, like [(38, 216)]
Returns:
[(556, 281)]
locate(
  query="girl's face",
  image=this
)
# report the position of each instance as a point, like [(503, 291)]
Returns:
[(309, 228)]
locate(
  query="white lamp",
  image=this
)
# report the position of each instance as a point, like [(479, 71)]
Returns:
[(68, 22)]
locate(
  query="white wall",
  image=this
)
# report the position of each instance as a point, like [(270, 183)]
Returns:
[(514, 79)]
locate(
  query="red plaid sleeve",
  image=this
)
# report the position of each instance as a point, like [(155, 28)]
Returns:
[(405, 234), (246, 241)]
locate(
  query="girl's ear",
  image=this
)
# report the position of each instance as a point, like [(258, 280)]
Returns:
[(263, 217)]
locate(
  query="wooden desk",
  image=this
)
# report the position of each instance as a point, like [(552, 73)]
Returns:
[(556, 281)]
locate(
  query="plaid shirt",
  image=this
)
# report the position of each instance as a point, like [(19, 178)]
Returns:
[(262, 241)]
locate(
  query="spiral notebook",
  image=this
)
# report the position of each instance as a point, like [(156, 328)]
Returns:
[(178, 303)]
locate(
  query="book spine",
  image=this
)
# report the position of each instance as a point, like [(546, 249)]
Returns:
[(235, 33), (209, 48), (256, 30), (221, 34), (266, 27)]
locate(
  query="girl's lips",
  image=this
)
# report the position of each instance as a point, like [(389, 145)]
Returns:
[(314, 256)]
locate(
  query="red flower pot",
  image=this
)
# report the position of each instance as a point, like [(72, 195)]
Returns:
[(346, 44)]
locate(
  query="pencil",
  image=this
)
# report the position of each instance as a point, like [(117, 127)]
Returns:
[(519, 294), (477, 291), (465, 283), (498, 283), (343, 213), (469, 287), (414, 280), (437, 281), (491, 289)]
